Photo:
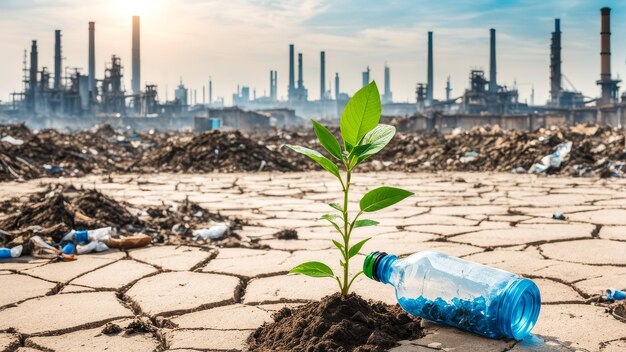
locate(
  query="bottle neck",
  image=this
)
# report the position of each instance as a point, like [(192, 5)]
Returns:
[(378, 266)]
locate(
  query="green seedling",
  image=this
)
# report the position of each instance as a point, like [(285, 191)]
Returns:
[(362, 137)]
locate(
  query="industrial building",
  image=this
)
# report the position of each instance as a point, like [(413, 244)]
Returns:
[(71, 97)]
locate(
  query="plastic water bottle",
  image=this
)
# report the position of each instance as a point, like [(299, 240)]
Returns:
[(14, 252), (85, 236), (452, 291), (215, 232)]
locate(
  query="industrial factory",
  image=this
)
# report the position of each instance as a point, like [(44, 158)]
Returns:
[(73, 98)]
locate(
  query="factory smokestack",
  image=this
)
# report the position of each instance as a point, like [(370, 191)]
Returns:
[(92, 59), (366, 76), (322, 75), (555, 63), (387, 96), (292, 79), (33, 65), (57, 59), (429, 87), (609, 86), (493, 82), (300, 84), (210, 91), (136, 81), (337, 86)]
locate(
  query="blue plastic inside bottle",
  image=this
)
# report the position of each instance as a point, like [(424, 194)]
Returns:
[(5, 253), (484, 300), (82, 236)]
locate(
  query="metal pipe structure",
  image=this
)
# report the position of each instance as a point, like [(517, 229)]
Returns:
[(32, 79), (555, 63), (92, 59), (136, 80), (57, 59), (322, 75), (429, 87), (292, 86), (493, 82)]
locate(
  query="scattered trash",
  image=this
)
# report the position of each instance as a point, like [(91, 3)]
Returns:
[(519, 170), (215, 232), (86, 236), (11, 140), (14, 252), (615, 295), (559, 216), (287, 234), (129, 242), (485, 302), (68, 249), (552, 161), (91, 247), (468, 157), (43, 249)]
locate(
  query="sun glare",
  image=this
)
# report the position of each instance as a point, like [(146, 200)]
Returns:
[(136, 7)]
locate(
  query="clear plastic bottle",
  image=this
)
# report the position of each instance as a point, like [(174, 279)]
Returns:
[(11, 252), (452, 291), (85, 236)]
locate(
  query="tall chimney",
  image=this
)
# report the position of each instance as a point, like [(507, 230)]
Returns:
[(210, 91), (337, 92), (555, 63), (322, 75), (609, 86), (429, 87), (292, 79), (493, 82), (448, 89), (136, 81), (33, 66), (300, 84), (57, 59), (92, 59)]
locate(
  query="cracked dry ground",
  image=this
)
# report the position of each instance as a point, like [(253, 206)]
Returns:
[(211, 299)]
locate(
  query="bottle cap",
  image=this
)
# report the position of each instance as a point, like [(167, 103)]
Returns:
[(370, 264)]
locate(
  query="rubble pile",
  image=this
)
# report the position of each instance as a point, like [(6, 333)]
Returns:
[(594, 150), (26, 155), (53, 213), (215, 151)]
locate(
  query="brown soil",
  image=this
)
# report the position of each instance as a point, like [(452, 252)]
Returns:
[(288, 234), (336, 324)]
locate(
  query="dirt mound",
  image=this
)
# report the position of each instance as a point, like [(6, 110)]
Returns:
[(336, 324), (60, 209), (215, 151)]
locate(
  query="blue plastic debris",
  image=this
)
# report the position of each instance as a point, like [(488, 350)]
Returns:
[(615, 295), (559, 216)]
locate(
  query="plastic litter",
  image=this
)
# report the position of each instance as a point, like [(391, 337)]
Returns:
[(519, 170), (91, 247), (43, 249), (136, 241), (469, 157), (214, 232), (69, 248), (615, 295), (53, 169), (559, 216), (14, 252), (554, 160), (11, 140), (86, 236), (449, 290)]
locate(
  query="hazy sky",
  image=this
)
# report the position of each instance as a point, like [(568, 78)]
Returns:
[(239, 41)]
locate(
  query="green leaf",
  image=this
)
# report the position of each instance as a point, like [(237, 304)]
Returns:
[(336, 206), (354, 250), (360, 115), (377, 139), (330, 219), (381, 198), (338, 245), (359, 149), (319, 158), (314, 269), (327, 140), (365, 222)]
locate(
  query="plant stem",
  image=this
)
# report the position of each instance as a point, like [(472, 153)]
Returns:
[(346, 248)]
